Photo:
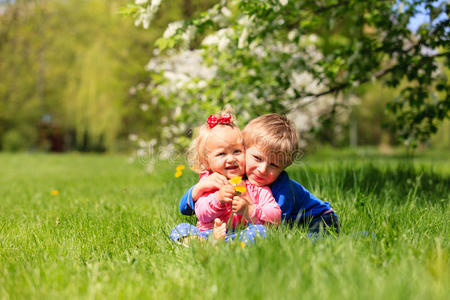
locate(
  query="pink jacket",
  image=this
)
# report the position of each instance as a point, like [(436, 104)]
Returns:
[(208, 207)]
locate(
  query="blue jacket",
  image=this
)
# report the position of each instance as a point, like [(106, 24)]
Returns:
[(295, 201)]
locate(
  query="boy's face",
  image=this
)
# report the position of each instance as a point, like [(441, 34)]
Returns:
[(261, 169)]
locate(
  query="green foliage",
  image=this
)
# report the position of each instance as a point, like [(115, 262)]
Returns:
[(105, 235), (77, 67), (18, 139), (260, 46), (69, 65), (442, 139)]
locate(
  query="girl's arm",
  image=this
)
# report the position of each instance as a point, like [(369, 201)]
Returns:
[(266, 210), (208, 207), (207, 184)]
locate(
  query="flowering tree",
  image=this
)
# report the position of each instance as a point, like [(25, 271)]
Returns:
[(301, 57)]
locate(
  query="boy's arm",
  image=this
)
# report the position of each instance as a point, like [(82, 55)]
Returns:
[(309, 205), (187, 203), (296, 202)]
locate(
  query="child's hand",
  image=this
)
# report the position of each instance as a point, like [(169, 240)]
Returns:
[(239, 205), (226, 193), (211, 183), (242, 205)]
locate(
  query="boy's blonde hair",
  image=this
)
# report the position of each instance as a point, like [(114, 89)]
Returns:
[(275, 135), (197, 154)]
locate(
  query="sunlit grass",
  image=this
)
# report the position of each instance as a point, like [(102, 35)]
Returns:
[(104, 234)]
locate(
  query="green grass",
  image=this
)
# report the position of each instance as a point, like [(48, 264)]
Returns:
[(105, 234)]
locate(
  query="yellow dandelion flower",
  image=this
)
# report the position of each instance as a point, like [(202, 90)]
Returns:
[(242, 245), (178, 174), (180, 167), (239, 189), (54, 193), (236, 180)]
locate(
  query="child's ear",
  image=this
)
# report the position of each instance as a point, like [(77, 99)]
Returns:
[(204, 165)]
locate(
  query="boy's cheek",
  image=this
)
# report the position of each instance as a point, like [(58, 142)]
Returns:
[(272, 177)]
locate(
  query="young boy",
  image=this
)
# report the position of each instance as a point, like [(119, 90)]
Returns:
[(271, 144)]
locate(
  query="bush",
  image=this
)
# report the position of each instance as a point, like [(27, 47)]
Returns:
[(18, 139)]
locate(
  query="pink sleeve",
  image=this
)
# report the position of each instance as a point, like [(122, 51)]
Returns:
[(208, 207), (266, 209)]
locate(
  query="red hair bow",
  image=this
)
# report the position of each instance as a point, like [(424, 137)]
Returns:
[(224, 119)]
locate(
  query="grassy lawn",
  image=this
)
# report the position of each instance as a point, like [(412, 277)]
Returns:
[(105, 235)]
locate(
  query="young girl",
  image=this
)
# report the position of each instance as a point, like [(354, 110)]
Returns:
[(218, 148)]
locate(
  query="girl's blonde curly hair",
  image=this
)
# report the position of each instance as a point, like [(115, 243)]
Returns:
[(197, 152)]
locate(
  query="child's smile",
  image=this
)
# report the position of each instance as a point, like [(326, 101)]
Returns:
[(261, 169), (226, 153)]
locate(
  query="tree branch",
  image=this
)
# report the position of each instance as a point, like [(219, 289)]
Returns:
[(377, 75), (321, 9)]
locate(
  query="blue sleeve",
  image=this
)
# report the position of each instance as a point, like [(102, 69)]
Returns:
[(187, 204), (295, 201)]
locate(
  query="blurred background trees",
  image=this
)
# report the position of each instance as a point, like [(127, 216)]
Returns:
[(77, 75), (68, 71)]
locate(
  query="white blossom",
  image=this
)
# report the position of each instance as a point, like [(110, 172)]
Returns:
[(167, 151), (221, 38), (245, 21), (313, 38), (142, 143), (144, 106), (186, 73), (188, 35), (139, 2), (140, 152), (292, 34), (144, 18), (202, 84), (243, 39), (177, 111), (172, 29), (132, 91), (260, 51), (155, 4), (212, 39), (132, 137), (223, 43), (226, 12)]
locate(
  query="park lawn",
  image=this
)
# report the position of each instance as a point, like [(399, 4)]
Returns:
[(92, 226)]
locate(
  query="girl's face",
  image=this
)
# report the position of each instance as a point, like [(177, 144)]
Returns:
[(225, 151)]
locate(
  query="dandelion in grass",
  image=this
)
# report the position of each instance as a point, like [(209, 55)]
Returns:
[(179, 171), (54, 193)]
